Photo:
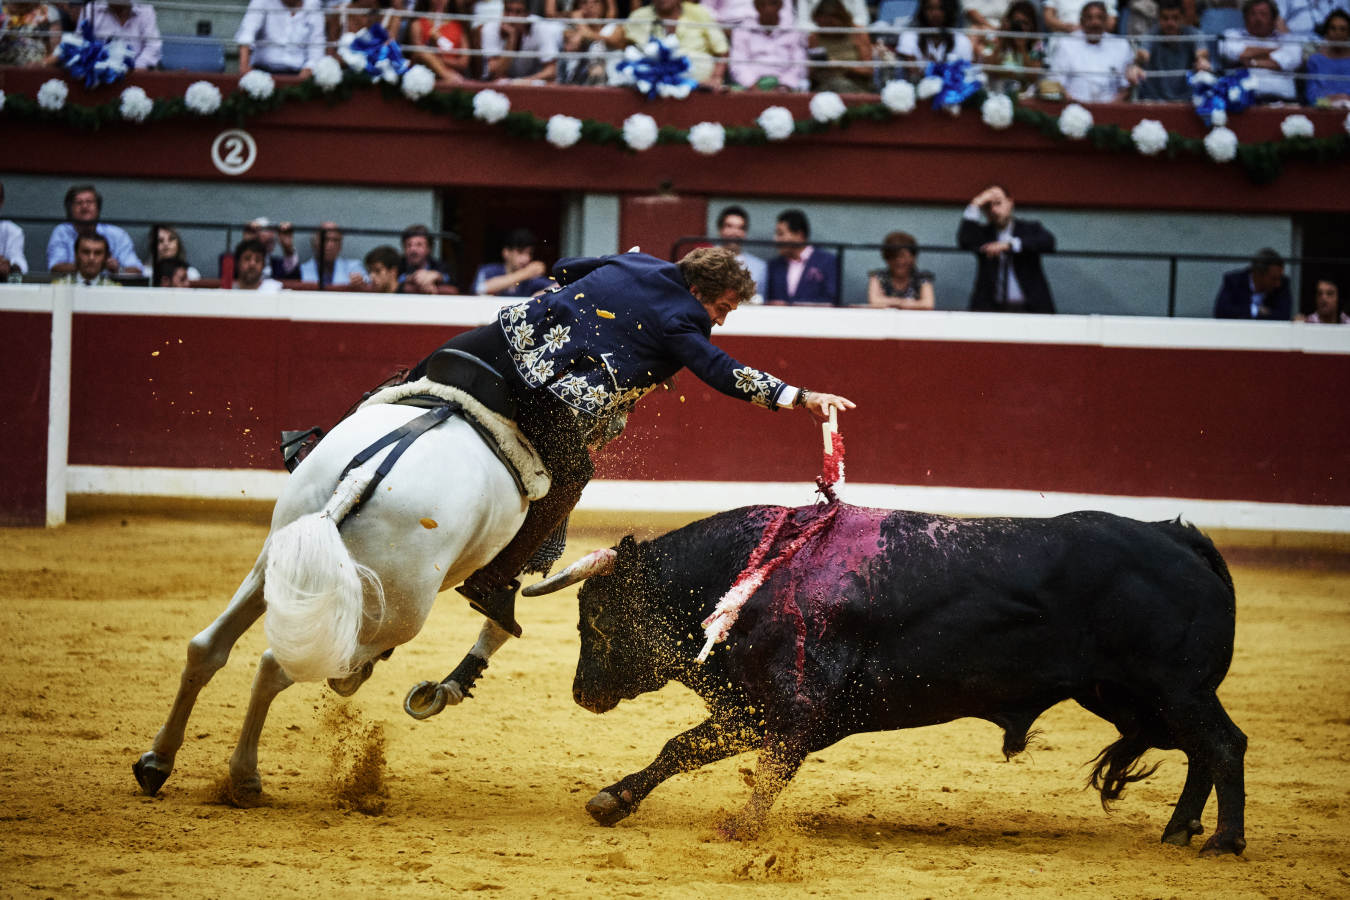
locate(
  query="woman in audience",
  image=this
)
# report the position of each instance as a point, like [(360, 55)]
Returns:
[(1012, 52), (845, 49), (444, 40), (900, 285), (169, 245), (600, 43), (940, 45), (29, 33), (1330, 60)]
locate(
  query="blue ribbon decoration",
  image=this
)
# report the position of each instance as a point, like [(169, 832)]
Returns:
[(383, 59), (93, 61), (657, 71), (957, 85), (1229, 95)]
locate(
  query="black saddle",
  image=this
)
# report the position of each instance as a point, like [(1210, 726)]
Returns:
[(457, 369)]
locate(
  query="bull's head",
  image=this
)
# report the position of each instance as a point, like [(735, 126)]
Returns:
[(621, 629)]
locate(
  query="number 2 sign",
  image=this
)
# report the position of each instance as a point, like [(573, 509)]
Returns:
[(234, 151)]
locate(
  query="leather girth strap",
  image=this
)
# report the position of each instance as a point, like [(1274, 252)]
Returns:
[(402, 438)]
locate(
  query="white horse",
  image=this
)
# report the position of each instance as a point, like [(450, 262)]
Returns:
[(337, 601)]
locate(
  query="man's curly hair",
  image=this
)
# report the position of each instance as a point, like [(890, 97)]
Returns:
[(712, 271)]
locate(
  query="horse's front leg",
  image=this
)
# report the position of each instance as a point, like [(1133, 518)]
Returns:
[(429, 697), (270, 680), (207, 653)]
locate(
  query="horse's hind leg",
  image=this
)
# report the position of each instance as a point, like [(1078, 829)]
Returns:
[(207, 652), (270, 680)]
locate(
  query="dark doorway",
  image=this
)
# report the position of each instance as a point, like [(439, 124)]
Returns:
[(1325, 236), (483, 216)]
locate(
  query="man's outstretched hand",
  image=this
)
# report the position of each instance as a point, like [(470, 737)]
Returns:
[(820, 404)]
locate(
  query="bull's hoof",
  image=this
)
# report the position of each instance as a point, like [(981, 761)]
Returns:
[(345, 687), (607, 808), (1223, 843), (1182, 836), (739, 827), (151, 773), (426, 699)]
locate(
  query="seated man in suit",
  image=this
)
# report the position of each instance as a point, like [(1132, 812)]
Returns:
[(800, 273), (1260, 291), (1008, 252)]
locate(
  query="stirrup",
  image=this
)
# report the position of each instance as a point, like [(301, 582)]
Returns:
[(498, 605), (295, 446)]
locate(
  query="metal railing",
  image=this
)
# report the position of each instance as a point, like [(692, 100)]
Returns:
[(1171, 261)]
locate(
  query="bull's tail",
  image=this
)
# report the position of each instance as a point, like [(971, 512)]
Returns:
[(1187, 535), (314, 590), (1118, 765)]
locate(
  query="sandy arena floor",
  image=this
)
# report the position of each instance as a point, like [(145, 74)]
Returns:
[(487, 797)]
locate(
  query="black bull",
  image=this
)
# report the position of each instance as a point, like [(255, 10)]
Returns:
[(897, 619)]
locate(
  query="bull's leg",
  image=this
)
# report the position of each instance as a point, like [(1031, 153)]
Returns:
[(1206, 734), (779, 760), (705, 743), (1185, 821), (427, 698), (270, 680), (207, 652)]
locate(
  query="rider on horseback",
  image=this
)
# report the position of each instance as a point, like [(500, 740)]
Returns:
[(577, 358)]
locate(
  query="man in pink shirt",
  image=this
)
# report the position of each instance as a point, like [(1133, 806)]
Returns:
[(765, 55)]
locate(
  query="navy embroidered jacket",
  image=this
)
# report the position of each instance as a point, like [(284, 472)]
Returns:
[(613, 329)]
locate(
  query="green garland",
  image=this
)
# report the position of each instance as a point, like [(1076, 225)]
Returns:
[(1262, 161)]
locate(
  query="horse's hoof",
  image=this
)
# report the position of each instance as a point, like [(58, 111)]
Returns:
[(150, 773), (607, 809), (425, 700), (1220, 843), (345, 687), (1182, 836)]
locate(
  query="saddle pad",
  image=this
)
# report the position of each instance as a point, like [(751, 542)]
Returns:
[(515, 448)]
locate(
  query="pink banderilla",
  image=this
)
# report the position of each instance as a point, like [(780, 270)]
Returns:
[(724, 614)]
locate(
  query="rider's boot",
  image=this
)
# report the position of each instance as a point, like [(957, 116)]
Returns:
[(498, 604)]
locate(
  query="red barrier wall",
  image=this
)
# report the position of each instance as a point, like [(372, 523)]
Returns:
[(25, 371), (1134, 421)]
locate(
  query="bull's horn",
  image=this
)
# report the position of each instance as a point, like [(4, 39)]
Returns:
[(598, 562)]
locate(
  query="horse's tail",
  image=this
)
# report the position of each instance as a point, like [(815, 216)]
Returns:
[(314, 590)]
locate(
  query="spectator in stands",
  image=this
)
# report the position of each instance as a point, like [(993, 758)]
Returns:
[(1328, 309), (84, 206), (1093, 66), (985, 15), (171, 271), (131, 23), (444, 39), (765, 55), (289, 35), (1177, 56), (1306, 17), (249, 258), (732, 225), (1008, 274), (285, 265), (519, 274), (1330, 60), (538, 37), (1258, 48), (337, 269), (1013, 52), (382, 269), (259, 229), (1066, 16), (169, 245), (12, 260), (565, 9), (800, 273), (944, 45), (1260, 291), (93, 261), (29, 33), (731, 13), (846, 51), (695, 29), (419, 272), (901, 285), (600, 43)]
